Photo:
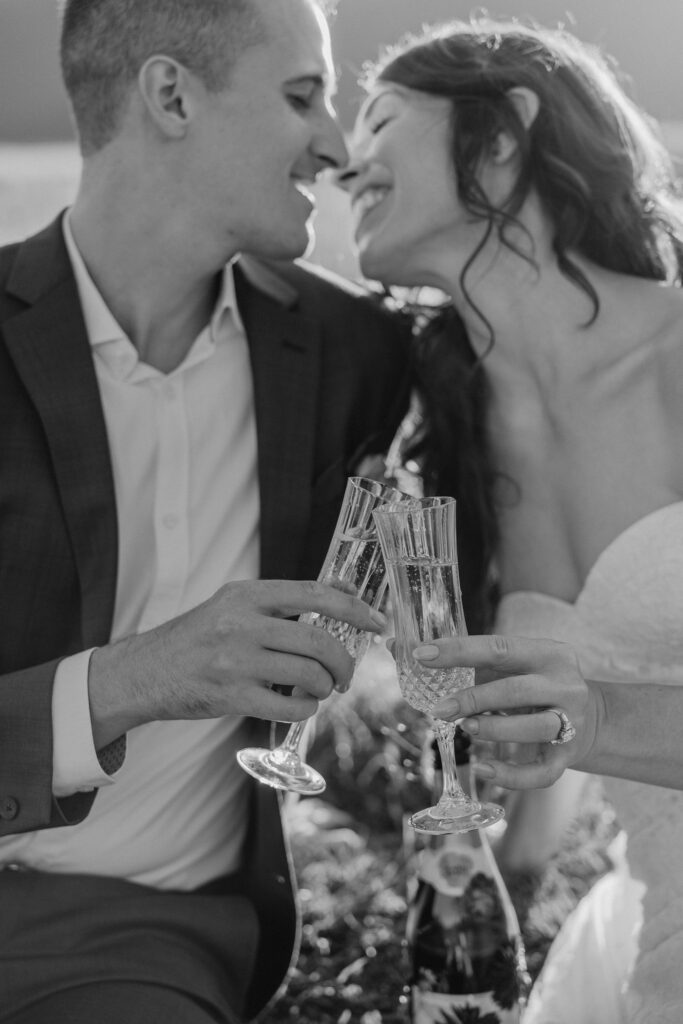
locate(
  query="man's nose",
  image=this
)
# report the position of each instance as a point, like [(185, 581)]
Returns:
[(330, 145)]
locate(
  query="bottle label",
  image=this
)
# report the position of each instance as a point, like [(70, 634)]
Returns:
[(440, 1008), (450, 867)]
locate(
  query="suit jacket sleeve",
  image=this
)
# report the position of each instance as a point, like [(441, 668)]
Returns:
[(26, 800)]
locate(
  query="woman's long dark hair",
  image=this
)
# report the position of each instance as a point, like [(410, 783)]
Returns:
[(603, 177)]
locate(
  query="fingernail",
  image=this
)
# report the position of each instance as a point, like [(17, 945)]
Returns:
[(485, 771), (426, 653), (379, 619), (446, 707), (470, 725), (390, 644)]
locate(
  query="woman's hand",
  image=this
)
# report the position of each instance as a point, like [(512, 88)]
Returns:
[(519, 682)]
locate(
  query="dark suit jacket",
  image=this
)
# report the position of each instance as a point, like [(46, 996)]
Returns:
[(330, 382)]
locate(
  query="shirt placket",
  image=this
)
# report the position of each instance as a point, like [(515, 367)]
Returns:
[(171, 528)]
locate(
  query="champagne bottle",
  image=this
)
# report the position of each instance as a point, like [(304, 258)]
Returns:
[(467, 961)]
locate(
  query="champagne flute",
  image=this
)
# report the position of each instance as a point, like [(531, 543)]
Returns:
[(419, 545), (353, 563)]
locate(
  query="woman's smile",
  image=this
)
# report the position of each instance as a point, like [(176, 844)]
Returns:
[(365, 202)]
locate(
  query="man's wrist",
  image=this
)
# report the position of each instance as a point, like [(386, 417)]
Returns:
[(114, 703)]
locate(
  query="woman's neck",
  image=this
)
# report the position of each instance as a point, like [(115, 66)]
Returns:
[(517, 293)]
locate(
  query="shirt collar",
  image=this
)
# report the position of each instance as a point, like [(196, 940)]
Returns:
[(99, 320), (227, 301)]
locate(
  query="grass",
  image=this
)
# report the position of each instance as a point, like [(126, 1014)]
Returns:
[(349, 856)]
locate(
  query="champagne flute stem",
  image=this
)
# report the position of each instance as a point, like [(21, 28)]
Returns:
[(452, 797), (294, 735), (286, 756)]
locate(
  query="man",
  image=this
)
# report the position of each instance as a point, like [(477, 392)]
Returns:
[(176, 416)]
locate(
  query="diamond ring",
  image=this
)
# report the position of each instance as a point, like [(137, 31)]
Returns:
[(567, 731)]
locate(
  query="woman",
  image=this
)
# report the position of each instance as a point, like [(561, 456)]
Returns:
[(504, 166)]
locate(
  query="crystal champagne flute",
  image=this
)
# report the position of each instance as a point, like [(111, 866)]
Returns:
[(419, 545), (353, 563)]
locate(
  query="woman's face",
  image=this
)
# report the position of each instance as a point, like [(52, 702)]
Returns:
[(408, 222)]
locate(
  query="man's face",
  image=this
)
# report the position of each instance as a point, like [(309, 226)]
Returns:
[(257, 146)]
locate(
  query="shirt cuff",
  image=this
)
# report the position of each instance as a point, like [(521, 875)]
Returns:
[(75, 766)]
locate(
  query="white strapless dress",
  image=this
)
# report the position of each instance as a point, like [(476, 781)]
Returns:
[(619, 957)]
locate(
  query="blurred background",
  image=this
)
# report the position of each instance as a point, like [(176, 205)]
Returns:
[(38, 159)]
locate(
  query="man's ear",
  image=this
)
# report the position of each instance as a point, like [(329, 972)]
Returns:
[(165, 89), (526, 103)]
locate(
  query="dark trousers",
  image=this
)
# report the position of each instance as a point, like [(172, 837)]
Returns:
[(82, 949), (117, 1003)]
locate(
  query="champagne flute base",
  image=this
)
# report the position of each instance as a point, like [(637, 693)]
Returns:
[(474, 815), (290, 774)]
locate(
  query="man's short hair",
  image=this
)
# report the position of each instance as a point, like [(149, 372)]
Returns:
[(104, 43)]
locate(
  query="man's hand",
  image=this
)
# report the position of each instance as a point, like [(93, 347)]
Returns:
[(224, 658), (522, 680)]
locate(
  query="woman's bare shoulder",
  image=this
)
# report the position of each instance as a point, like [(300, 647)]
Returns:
[(668, 335), (668, 354)]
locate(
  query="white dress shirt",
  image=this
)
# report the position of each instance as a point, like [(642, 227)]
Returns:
[(183, 450)]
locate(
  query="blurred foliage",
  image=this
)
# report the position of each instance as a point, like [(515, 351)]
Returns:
[(348, 853)]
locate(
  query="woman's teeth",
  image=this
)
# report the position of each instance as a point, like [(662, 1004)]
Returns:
[(368, 199)]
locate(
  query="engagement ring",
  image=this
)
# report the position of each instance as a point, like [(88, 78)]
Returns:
[(567, 731)]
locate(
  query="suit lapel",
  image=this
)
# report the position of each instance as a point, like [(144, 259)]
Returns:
[(49, 346), (285, 351)]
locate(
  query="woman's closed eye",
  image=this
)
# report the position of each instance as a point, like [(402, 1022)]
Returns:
[(379, 124)]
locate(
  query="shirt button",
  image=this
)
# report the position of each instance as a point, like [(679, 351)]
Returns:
[(170, 521), (170, 390), (9, 808)]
